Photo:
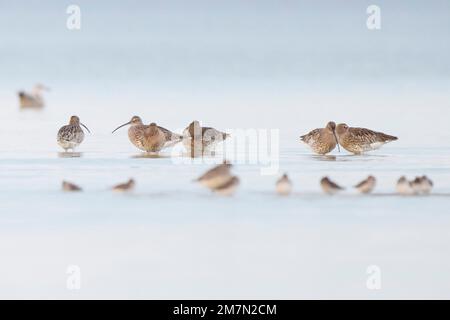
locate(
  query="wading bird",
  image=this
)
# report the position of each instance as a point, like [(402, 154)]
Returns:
[(71, 135), (322, 140), (360, 140), (149, 138)]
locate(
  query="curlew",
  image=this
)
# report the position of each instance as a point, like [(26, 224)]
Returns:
[(198, 137), (360, 140), (71, 135), (149, 138), (323, 140)]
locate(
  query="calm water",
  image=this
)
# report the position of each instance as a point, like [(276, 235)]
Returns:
[(231, 66), (171, 238)]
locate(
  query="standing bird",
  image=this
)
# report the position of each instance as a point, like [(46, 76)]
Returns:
[(422, 185), (34, 99), (228, 188), (125, 187), (323, 140), (360, 140), (197, 137), (367, 185), (71, 135), (329, 187), (67, 186), (284, 185), (149, 138), (216, 177), (405, 187)]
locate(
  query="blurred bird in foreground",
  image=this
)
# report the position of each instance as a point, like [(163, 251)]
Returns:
[(67, 186), (329, 187), (422, 185), (367, 185), (217, 176), (404, 187), (228, 188), (125, 187), (219, 179), (284, 185)]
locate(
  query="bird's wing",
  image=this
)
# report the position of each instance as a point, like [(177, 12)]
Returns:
[(213, 134), (370, 136), (314, 134), (169, 135)]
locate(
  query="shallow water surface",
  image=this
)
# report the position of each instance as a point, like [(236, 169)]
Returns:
[(171, 238)]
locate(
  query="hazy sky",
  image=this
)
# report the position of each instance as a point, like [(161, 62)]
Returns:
[(282, 63), (190, 39)]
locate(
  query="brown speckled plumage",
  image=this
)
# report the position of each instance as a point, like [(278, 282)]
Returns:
[(323, 140), (196, 136), (71, 135), (360, 140), (147, 138), (150, 138)]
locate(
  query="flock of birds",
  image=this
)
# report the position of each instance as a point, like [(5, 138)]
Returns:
[(153, 138)]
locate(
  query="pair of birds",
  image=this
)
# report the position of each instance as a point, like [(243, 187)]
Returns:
[(420, 185), (122, 187), (220, 179), (148, 138), (354, 140), (33, 99), (284, 185), (366, 186)]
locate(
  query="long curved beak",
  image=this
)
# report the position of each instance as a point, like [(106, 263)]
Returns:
[(335, 136), (85, 127), (125, 124)]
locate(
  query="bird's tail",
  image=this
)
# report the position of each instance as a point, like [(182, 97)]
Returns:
[(388, 138)]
